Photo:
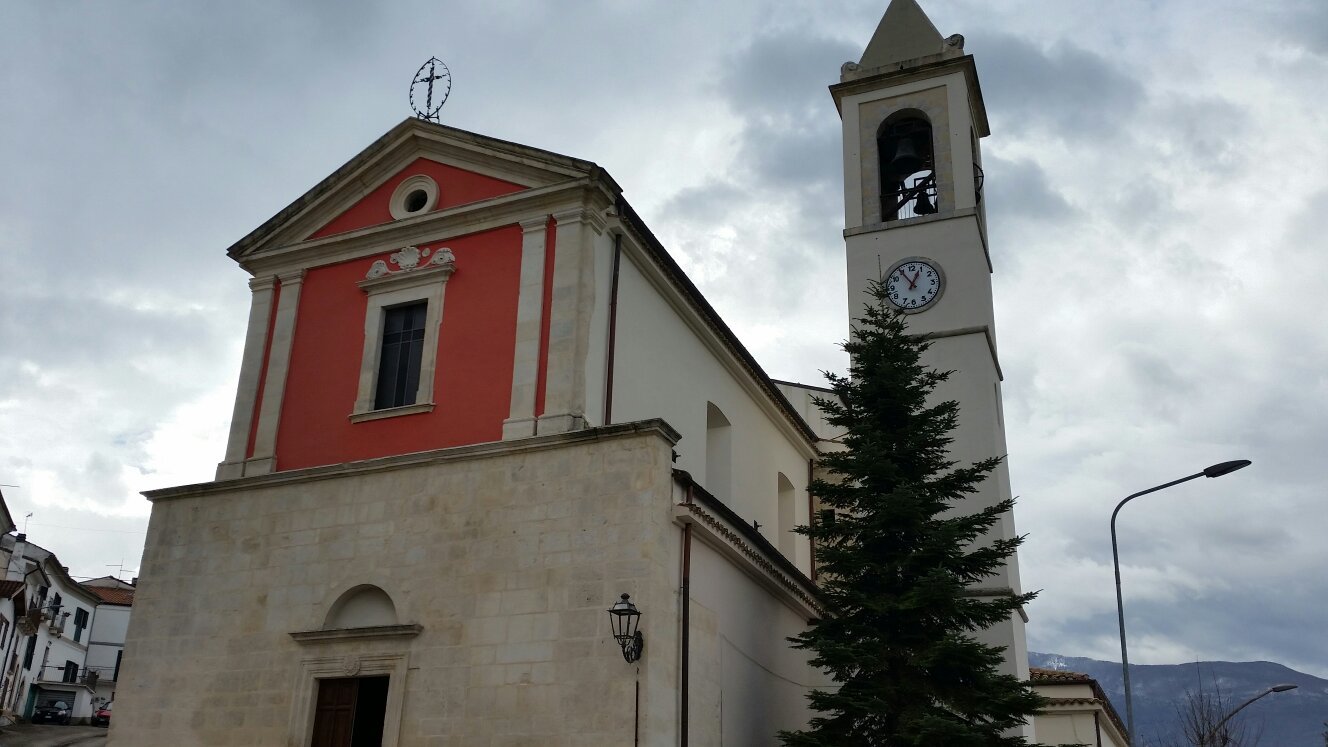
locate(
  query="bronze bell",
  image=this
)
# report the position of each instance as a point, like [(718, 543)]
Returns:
[(906, 160), (923, 206)]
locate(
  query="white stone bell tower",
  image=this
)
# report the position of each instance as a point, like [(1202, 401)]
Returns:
[(913, 115)]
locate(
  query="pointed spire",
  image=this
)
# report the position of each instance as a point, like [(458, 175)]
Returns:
[(904, 33)]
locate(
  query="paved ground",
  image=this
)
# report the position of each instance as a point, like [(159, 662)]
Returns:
[(47, 735)]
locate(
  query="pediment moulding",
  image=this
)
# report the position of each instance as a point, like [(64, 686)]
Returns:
[(437, 226), (410, 140)]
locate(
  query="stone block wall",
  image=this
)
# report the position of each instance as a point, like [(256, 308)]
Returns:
[(505, 555)]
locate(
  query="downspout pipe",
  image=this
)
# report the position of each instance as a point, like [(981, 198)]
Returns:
[(685, 646), (811, 518), (613, 330)]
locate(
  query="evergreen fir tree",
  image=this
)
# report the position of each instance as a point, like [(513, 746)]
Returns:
[(898, 558)]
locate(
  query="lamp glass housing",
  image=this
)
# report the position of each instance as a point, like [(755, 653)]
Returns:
[(625, 619)]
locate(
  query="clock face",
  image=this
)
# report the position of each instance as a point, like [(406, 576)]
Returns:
[(914, 283)]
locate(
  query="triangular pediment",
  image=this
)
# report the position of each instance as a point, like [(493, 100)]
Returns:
[(459, 187), (468, 168)]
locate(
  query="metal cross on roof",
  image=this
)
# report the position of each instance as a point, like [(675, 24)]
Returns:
[(430, 72)]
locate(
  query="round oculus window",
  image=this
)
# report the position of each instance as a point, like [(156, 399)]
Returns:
[(416, 200), (414, 195)]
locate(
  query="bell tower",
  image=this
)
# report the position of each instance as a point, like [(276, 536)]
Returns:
[(912, 116)]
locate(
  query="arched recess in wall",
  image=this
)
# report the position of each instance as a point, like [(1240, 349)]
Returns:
[(361, 606), (719, 453), (907, 166), (788, 517)]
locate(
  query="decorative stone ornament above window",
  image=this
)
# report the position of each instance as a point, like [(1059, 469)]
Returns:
[(421, 276), (408, 259), (415, 195)]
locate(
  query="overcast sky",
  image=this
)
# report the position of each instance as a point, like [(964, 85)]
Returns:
[(1156, 181)]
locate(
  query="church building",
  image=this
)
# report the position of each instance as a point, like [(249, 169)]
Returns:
[(498, 474)]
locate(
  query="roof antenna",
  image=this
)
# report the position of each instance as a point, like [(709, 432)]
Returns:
[(433, 96), (25, 522)]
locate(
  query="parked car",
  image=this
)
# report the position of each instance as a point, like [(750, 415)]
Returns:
[(102, 717), (51, 713)]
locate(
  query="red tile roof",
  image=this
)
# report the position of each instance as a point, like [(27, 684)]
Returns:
[(113, 596), (1037, 674)]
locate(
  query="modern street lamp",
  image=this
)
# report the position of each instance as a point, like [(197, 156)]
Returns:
[(1217, 470), (1207, 738)]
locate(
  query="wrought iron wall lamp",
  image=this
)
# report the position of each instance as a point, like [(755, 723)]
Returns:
[(626, 619)]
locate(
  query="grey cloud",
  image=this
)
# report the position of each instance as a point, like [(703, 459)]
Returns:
[(1065, 90), (794, 158), (1024, 192), (708, 203), (785, 75), (1211, 134), (1305, 23), (84, 332), (777, 87), (1254, 620)]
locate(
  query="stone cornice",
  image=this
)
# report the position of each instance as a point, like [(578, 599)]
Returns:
[(720, 528), (983, 330), (918, 220), (897, 74), (654, 426), (374, 632)]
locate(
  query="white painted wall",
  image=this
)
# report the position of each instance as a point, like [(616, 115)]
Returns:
[(746, 681), (664, 368), (1073, 718), (803, 398), (55, 649), (597, 348), (108, 635)]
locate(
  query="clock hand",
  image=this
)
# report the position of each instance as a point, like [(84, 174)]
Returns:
[(913, 284)]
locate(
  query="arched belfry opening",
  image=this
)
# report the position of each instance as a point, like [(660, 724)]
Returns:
[(908, 167)]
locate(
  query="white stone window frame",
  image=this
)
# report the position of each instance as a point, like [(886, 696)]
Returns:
[(315, 668), (397, 204), (386, 291)]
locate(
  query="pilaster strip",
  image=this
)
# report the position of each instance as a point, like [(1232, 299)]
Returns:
[(529, 315), (262, 290), (278, 365), (569, 338)]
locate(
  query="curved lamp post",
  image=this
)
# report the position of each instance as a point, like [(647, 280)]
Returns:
[(1208, 738), (1217, 470)]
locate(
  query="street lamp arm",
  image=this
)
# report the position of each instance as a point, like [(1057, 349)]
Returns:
[(1216, 470), (1218, 726), (1120, 602), (1146, 492)]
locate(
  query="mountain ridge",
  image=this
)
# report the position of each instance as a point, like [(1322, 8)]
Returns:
[(1290, 719)]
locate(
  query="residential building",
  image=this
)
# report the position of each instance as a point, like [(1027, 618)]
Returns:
[(110, 623), (1078, 712), (479, 404), (46, 650)]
